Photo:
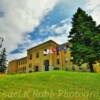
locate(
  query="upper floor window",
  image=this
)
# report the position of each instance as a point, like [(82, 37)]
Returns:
[(30, 65), (30, 56), (37, 55), (45, 52), (18, 63)]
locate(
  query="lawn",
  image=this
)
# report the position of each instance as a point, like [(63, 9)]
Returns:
[(53, 85)]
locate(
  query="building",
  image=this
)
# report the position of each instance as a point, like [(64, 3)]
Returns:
[(12, 67), (38, 60)]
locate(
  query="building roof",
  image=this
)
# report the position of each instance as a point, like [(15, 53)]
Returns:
[(50, 41), (22, 58), (18, 59)]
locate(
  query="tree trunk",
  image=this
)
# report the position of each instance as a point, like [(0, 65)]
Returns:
[(91, 66)]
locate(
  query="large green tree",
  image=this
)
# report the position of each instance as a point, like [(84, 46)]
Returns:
[(85, 38)]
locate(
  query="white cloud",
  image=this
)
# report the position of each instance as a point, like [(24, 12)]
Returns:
[(63, 29), (92, 4), (20, 17), (59, 39), (93, 7)]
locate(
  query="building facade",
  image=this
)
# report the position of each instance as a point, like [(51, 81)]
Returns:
[(38, 60)]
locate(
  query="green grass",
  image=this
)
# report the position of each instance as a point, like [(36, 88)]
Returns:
[(53, 85)]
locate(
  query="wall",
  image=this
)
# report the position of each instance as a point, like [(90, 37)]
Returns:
[(13, 67)]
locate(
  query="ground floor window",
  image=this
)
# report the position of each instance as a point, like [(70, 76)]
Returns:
[(36, 68)]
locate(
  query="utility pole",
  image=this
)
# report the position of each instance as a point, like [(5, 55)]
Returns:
[(1, 41)]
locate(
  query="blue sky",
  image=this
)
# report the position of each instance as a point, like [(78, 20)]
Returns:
[(31, 22), (62, 10)]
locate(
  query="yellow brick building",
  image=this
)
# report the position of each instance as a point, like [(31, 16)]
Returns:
[(37, 61)]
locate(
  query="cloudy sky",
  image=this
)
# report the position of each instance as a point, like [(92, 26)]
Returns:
[(26, 23)]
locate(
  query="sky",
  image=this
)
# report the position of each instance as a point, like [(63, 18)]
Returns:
[(27, 23)]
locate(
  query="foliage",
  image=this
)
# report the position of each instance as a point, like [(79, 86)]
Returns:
[(85, 38), (3, 61)]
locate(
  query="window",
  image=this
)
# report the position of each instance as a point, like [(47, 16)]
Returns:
[(67, 46), (30, 56), (30, 65), (22, 62), (24, 69), (37, 55), (18, 63), (45, 52), (58, 62)]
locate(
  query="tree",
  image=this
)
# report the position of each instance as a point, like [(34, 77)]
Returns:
[(96, 40), (2, 57), (85, 39), (3, 61)]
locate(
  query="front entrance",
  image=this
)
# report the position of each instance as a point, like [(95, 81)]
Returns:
[(46, 64), (36, 68)]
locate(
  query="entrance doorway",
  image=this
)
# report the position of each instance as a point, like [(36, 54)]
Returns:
[(36, 68), (46, 64)]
